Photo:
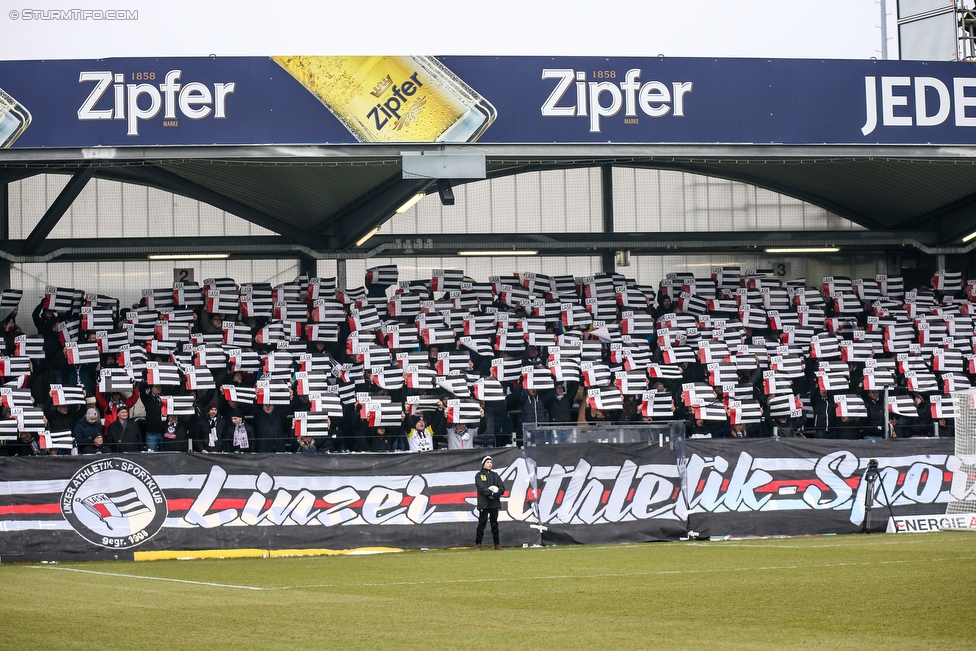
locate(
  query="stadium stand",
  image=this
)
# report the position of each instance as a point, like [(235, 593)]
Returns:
[(307, 366)]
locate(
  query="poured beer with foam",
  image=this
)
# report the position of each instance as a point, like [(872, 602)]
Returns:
[(394, 99)]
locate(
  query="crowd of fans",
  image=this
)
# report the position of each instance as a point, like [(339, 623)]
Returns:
[(305, 367)]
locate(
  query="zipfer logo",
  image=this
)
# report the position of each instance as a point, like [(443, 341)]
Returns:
[(114, 503)]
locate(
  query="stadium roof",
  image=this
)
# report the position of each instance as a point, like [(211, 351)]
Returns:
[(321, 200)]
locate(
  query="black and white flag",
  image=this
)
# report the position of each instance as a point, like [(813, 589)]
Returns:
[(15, 366), (849, 405), (54, 440), (445, 279), (237, 335), (604, 399), (58, 299), (68, 395), (10, 298), (327, 403), (177, 406), (97, 319), (290, 311), (539, 379), (383, 275), (307, 423), (383, 414), (785, 406), (488, 390), (407, 305), (199, 379), (163, 373), (12, 396), (111, 341), (271, 393), (462, 411), (187, 295), (478, 345), (387, 377), (319, 288), (630, 382), (328, 311), (456, 385), (31, 346), (29, 419), (324, 332), (209, 356), (232, 393), (657, 404)]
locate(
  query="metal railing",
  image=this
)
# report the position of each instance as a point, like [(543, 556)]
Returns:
[(660, 434)]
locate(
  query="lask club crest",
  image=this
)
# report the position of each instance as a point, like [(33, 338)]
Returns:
[(114, 503)]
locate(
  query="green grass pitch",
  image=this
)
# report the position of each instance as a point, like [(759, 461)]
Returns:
[(824, 592)]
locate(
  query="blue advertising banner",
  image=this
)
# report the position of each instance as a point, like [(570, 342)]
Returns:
[(418, 99)]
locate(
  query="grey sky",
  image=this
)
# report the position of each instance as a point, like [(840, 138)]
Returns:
[(738, 28)]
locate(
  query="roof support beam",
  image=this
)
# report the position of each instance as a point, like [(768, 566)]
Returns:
[(9, 175), (167, 180), (551, 244), (781, 188), (354, 222), (606, 176), (955, 221), (58, 207)]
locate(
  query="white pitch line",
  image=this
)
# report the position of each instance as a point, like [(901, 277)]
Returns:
[(759, 543), (612, 575), (152, 578), (552, 577)]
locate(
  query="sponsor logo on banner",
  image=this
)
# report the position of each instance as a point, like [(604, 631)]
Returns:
[(928, 523), (933, 101), (139, 96), (608, 95), (114, 503)]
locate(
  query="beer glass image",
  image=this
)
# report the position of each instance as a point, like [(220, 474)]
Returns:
[(14, 118), (394, 98)]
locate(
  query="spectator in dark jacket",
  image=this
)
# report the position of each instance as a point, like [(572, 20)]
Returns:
[(209, 432), (88, 434), (877, 415), (239, 434), (47, 323), (498, 426), (174, 435), (27, 445), (124, 434), (531, 405), (385, 439), (559, 405), (152, 400), (62, 418), (824, 419), (270, 430), (10, 331)]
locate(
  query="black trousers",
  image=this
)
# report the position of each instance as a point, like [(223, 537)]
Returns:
[(483, 516)]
